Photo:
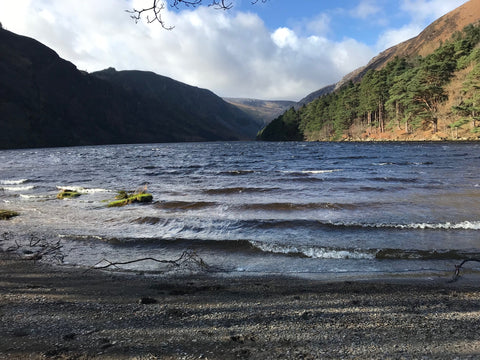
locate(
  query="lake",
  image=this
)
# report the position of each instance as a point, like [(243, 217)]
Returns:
[(303, 209)]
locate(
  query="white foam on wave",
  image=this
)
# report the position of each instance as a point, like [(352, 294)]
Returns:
[(464, 225), (28, 196), (13, 182), (18, 188), (320, 171), (313, 252), (82, 189), (382, 164)]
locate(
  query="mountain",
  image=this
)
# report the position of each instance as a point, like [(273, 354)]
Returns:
[(46, 101), (263, 111), (423, 44), (423, 89), (315, 95)]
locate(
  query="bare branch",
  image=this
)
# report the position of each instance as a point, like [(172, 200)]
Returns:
[(156, 9), (184, 259), (159, 5), (221, 5), (187, 3), (456, 275), (36, 249)]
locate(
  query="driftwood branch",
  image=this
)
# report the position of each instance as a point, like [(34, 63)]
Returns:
[(456, 275), (36, 248), (186, 258)]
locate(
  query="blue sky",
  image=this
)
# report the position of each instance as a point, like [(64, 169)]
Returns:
[(281, 49)]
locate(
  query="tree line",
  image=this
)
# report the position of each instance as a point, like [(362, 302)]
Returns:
[(405, 94)]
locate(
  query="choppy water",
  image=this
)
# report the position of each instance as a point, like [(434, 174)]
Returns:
[(289, 208)]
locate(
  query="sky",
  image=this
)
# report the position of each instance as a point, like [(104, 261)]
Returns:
[(277, 50)]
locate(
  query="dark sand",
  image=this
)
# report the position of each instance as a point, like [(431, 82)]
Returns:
[(65, 313)]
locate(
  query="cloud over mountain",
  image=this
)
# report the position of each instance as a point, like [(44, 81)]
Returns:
[(234, 53)]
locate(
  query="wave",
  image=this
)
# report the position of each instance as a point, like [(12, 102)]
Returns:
[(17, 188), (236, 172), (332, 225), (297, 206), (237, 190), (184, 205), (464, 225), (415, 254), (306, 173), (258, 248), (312, 224), (405, 163), (82, 189), (395, 180), (315, 252), (320, 171), (39, 197), (13, 182)]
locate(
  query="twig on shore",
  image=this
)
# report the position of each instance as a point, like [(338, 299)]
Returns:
[(185, 258), (36, 249), (456, 275)]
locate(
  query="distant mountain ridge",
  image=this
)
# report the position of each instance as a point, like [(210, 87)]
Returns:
[(263, 111), (46, 101)]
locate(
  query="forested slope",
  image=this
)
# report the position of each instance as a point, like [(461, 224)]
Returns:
[(433, 97)]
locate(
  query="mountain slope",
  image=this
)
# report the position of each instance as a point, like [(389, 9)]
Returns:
[(45, 101), (423, 89), (423, 44), (315, 95), (263, 111)]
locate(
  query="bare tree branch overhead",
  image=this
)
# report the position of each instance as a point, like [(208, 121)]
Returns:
[(154, 12)]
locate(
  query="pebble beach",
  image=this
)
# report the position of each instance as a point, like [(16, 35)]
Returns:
[(49, 312)]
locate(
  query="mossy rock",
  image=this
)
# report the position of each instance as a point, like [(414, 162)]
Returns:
[(123, 200), (7, 214), (67, 194)]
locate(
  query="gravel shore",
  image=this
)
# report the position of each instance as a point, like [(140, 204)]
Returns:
[(67, 313)]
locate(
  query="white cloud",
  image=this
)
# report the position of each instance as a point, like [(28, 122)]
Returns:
[(283, 37), (365, 9), (319, 25), (230, 53), (426, 11), (393, 37), (421, 13)]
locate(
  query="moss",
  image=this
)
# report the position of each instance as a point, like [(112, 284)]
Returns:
[(7, 214), (125, 199), (67, 194)]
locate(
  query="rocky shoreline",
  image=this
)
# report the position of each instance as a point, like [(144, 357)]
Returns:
[(66, 313)]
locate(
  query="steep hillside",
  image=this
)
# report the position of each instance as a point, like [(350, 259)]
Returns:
[(45, 101), (423, 44), (315, 95), (434, 97)]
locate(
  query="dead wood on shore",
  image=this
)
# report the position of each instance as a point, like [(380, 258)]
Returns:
[(186, 259)]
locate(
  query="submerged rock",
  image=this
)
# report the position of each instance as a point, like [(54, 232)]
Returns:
[(7, 214), (67, 194), (124, 198)]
